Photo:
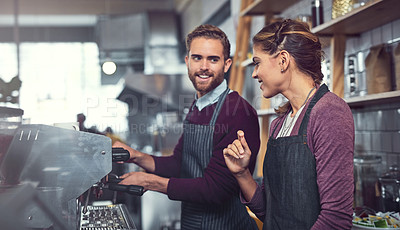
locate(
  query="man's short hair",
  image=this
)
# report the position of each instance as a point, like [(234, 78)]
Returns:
[(209, 32)]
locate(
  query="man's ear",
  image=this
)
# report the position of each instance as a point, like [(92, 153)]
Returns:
[(227, 65)]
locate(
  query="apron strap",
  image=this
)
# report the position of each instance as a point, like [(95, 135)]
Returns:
[(221, 100), (321, 92)]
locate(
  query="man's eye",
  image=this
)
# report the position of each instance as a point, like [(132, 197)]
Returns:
[(214, 60), (196, 58)]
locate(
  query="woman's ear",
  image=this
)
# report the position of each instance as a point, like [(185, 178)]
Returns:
[(284, 60)]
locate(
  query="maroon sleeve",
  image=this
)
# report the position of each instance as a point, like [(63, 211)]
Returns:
[(170, 166), (331, 139), (257, 204), (218, 184)]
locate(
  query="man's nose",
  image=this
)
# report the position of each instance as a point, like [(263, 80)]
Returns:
[(204, 64)]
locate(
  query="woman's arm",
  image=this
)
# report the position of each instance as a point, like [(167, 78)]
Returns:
[(331, 139)]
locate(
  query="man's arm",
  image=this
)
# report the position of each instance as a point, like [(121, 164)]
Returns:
[(158, 169), (147, 180), (142, 159)]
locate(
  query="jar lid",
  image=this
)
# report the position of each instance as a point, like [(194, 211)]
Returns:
[(367, 159)]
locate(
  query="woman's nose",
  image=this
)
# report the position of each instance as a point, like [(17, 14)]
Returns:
[(254, 74)]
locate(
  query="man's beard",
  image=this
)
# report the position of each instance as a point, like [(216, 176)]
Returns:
[(215, 81)]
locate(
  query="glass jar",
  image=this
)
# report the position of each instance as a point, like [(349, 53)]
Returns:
[(341, 7), (366, 173), (390, 189)]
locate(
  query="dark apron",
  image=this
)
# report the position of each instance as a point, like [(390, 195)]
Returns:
[(290, 178), (197, 152)]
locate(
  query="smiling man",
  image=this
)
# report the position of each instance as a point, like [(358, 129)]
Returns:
[(206, 65), (196, 173)]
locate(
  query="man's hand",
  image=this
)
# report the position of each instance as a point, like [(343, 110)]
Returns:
[(147, 180), (132, 153), (237, 155)]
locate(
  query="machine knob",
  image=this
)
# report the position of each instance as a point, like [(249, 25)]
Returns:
[(120, 154)]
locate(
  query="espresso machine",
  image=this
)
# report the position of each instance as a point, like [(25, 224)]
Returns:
[(45, 172)]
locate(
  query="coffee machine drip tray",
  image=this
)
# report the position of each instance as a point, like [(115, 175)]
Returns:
[(106, 217)]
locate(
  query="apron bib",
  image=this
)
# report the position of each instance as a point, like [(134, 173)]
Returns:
[(290, 178), (197, 152)]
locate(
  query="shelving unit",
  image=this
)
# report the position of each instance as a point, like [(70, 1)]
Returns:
[(372, 15), (379, 98), (360, 101), (247, 62), (266, 112), (364, 18), (261, 7)]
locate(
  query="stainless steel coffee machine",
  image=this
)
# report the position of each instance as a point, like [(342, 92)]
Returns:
[(44, 172)]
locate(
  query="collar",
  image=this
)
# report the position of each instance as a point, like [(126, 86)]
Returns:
[(211, 97)]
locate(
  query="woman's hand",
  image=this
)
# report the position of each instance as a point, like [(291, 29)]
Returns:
[(237, 155), (237, 158)]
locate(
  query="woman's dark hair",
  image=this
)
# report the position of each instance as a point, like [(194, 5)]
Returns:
[(296, 38), (209, 32)]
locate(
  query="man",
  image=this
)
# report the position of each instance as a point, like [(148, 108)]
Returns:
[(196, 173)]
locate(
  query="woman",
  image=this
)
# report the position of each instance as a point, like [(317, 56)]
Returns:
[(308, 166)]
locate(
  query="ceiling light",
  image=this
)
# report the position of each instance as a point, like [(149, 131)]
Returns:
[(109, 67)]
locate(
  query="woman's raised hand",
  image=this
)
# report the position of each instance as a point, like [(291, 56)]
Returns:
[(237, 155)]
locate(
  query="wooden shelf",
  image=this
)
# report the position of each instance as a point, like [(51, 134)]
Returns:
[(379, 98), (247, 62), (261, 7), (368, 17), (361, 101), (265, 112)]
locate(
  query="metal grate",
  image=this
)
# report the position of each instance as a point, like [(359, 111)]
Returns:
[(107, 217)]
